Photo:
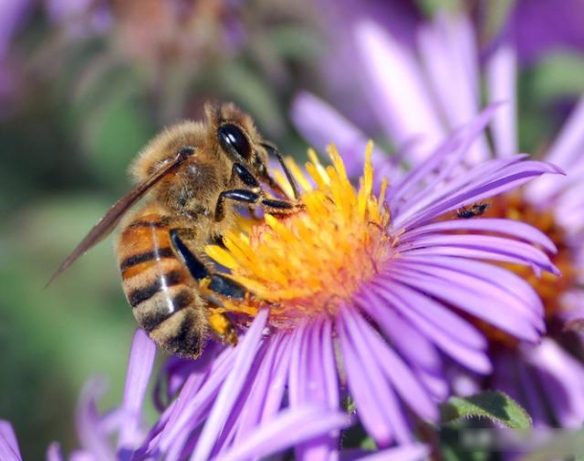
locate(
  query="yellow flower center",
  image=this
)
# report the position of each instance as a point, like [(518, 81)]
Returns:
[(308, 264)]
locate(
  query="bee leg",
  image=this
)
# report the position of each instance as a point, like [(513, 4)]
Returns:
[(244, 196), (246, 177), (197, 269), (219, 322), (250, 180), (220, 284), (272, 150)]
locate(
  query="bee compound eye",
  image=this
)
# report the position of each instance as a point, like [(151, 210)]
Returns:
[(231, 137)]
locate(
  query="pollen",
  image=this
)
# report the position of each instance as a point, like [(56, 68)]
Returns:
[(308, 264)]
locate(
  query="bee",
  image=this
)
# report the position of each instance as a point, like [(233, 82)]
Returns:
[(196, 174), (476, 209)]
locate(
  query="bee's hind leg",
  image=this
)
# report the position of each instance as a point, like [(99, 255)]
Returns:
[(220, 324)]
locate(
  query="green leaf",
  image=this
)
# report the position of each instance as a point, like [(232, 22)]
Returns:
[(495, 406)]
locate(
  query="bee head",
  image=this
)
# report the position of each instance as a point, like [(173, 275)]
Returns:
[(238, 137)]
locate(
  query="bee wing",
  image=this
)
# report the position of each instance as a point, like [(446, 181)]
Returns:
[(111, 219)]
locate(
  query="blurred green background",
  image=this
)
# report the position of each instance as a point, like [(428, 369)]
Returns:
[(83, 86)]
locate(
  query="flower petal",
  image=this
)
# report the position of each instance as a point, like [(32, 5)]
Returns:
[(501, 75), (377, 406), (321, 125), (400, 96), (140, 366), (9, 450), (289, 428), (231, 388)]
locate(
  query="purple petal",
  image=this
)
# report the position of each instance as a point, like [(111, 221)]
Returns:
[(498, 278), (81, 456), (321, 125), (193, 404), (398, 91), (231, 388), (298, 360), (453, 146), (507, 375), (279, 379), (453, 180), (476, 301), (504, 226), (263, 383), (448, 49), (566, 151), (377, 405), (316, 382), (396, 372), (304, 386), (54, 452), (563, 380), (400, 331), (501, 75), (92, 435), (438, 314), (140, 366), (424, 359), (244, 406), (177, 370), (289, 428), (9, 450), (481, 246), (412, 305), (501, 181), (529, 393)]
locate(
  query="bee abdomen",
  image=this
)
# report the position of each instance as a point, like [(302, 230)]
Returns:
[(159, 287), (136, 259), (162, 284)]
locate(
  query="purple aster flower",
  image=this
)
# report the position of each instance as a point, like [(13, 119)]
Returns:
[(445, 75), (340, 291)]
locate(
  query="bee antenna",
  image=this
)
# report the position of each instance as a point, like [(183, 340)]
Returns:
[(274, 151)]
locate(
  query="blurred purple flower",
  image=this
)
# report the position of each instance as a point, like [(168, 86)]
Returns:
[(423, 93), (337, 65)]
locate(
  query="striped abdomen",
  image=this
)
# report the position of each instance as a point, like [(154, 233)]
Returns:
[(158, 286)]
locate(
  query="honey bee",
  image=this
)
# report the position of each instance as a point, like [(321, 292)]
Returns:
[(196, 173), (476, 209)]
